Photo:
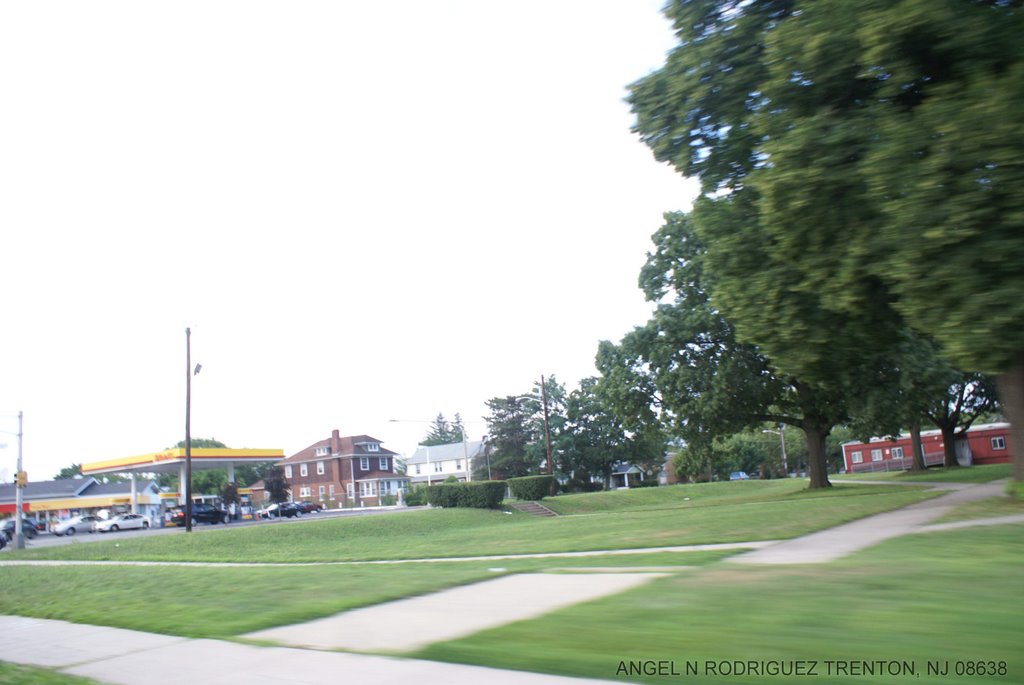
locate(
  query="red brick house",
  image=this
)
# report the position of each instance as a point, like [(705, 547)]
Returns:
[(352, 471)]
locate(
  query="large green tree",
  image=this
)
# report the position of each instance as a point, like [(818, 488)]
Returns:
[(67, 472), (687, 370), (597, 441), (947, 171), (843, 174), (444, 432)]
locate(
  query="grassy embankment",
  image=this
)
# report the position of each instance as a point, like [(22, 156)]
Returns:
[(972, 474), (224, 601)]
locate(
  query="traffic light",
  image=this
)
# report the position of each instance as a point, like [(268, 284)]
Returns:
[(21, 479)]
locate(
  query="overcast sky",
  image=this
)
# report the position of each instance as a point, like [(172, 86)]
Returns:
[(364, 211)]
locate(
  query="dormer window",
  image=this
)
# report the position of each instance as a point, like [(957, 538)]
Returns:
[(322, 451), (373, 447)]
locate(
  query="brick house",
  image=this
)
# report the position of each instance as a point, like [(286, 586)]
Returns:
[(352, 471)]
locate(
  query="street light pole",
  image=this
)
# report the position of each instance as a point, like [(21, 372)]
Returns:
[(188, 430), (782, 443), (547, 429), (782, 440)]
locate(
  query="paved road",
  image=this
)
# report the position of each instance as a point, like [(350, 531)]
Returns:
[(49, 540)]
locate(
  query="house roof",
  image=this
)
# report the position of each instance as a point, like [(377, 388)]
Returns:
[(47, 489), (69, 488), (624, 468), (348, 446), (450, 452)]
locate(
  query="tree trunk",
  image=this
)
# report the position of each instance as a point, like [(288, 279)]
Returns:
[(1011, 395), (949, 445), (917, 458), (816, 463)]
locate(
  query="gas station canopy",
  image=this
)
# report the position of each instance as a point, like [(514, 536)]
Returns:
[(173, 460)]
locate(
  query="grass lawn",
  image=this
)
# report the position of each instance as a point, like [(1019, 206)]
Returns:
[(13, 674), (676, 515), (949, 596), (986, 508), (227, 601), (958, 474)]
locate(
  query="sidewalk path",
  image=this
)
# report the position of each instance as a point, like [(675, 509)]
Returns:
[(833, 543), (493, 557), (128, 657), (409, 624)]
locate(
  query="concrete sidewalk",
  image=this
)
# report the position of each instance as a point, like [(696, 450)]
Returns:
[(833, 543), (128, 657), (409, 624)]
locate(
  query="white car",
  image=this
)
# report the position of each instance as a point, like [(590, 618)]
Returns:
[(122, 522), (76, 524)]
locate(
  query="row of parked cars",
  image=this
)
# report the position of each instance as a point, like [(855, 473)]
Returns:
[(86, 523), (289, 510)]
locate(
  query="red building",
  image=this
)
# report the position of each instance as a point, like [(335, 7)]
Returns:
[(983, 444)]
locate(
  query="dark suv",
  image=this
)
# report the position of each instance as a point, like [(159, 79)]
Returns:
[(29, 528), (201, 513)]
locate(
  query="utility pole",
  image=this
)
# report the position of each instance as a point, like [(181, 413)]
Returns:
[(188, 430), (547, 430), (22, 481)]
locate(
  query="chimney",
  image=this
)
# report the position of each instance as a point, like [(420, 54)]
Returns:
[(335, 441)]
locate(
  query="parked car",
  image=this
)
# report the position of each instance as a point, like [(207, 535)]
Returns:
[(282, 510), (85, 523), (739, 475), (201, 513), (310, 507), (29, 528), (122, 522)]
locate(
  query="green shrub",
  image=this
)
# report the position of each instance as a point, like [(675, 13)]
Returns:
[(416, 496), (442, 495), (647, 483), (485, 494), (530, 487)]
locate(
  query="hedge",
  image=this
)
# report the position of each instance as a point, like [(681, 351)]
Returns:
[(483, 494), (531, 487)]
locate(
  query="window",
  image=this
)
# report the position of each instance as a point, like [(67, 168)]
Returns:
[(417, 469), (367, 488), (383, 463), (304, 491), (437, 467), (319, 468), (364, 463), (322, 451), (348, 490), (287, 471), (330, 491), (321, 492), (857, 457), (458, 465), (897, 452), (373, 447), (303, 470), (876, 455), (999, 443)]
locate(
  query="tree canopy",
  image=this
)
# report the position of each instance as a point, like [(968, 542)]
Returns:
[(859, 170)]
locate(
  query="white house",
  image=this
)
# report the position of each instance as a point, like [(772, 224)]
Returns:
[(434, 463)]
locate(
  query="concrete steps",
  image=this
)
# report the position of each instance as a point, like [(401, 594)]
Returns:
[(533, 508)]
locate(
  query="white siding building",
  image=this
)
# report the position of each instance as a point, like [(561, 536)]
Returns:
[(435, 463)]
